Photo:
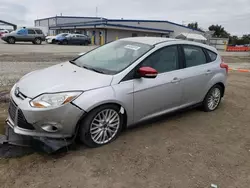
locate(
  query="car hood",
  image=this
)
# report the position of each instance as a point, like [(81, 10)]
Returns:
[(61, 77), (50, 37)]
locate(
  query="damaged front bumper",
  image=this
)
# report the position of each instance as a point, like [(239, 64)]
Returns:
[(50, 129)]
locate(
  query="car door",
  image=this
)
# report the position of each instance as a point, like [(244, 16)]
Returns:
[(197, 74), (21, 34), (75, 39), (31, 35), (81, 39), (163, 93)]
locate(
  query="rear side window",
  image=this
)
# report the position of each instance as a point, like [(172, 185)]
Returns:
[(212, 55), (194, 56), (39, 32), (31, 32)]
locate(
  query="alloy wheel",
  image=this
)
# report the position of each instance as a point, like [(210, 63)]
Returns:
[(214, 99), (105, 126)]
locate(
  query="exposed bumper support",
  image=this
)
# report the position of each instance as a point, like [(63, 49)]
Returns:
[(48, 145)]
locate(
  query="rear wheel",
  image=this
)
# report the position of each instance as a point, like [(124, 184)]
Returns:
[(65, 42), (38, 41), (212, 99), (11, 40), (101, 126)]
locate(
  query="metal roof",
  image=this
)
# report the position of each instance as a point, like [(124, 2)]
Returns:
[(101, 19), (191, 36)]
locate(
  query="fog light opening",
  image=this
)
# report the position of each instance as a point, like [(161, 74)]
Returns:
[(49, 128)]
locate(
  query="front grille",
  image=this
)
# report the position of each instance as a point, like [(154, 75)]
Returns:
[(12, 110), (22, 123)]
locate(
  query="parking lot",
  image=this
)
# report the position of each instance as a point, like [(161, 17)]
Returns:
[(186, 149)]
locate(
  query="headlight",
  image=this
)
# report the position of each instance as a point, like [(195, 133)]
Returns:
[(51, 100)]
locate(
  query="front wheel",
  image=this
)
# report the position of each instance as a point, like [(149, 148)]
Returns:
[(65, 42), (212, 99), (11, 40), (101, 126)]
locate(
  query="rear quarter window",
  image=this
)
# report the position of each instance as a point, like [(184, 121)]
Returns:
[(39, 32), (212, 55)]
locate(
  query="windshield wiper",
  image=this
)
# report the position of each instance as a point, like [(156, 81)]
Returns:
[(74, 63), (93, 69)]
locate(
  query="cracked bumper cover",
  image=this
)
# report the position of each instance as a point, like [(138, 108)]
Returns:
[(64, 117)]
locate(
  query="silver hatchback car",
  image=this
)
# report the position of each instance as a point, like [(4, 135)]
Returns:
[(114, 86)]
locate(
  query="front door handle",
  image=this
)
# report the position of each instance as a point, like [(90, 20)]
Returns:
[(175, 80), (208, 72)]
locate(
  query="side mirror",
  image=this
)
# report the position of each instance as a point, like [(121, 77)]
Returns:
[(147, 72)]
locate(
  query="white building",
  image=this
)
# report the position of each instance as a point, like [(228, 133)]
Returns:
[(112, 29)]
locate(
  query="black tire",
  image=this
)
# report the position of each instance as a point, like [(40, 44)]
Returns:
[(37, 41), (11, 40), (84, 131), (64, 42), (53, 41), (205, 104)]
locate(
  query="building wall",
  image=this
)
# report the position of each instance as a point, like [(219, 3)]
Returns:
[(219, 43), (158, 25), (74, 20), (112, 34)]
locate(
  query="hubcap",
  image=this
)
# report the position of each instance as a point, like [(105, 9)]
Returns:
[(104, 126), (214, 99)]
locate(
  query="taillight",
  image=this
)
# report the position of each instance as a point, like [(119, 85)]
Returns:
[(224, 65)]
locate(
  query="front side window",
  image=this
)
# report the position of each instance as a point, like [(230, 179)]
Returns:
[(113, 57), (163, 60), (22, 31), (194, 56)]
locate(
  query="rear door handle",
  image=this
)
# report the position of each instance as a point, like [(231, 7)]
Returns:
[(208, 72), (175, 80)]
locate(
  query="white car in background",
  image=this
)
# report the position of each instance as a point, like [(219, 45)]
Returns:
[(53, 39)]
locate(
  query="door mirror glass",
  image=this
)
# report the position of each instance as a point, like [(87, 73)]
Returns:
[(147, 72)]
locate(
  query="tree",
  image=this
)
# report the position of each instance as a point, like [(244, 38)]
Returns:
[(219, 31), (233, 40)]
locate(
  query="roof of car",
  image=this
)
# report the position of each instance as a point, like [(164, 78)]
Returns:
[(157, 40), (149, 40)]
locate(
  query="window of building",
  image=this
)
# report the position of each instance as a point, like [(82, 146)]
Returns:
[(163, 60), (134, 35), (194, 55)]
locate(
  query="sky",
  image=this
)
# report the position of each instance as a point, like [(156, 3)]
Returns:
[(233, 15)]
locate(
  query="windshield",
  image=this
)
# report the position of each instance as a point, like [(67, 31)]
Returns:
[(113, 57)]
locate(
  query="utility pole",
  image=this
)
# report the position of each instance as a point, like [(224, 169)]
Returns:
[(96, 12)]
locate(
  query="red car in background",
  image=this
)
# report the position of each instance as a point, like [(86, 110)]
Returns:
[(3, 31)]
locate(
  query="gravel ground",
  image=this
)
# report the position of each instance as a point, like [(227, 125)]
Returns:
[(183, 150)]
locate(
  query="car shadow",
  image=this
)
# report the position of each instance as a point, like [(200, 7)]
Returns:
[(78, 146), (26, 43)]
